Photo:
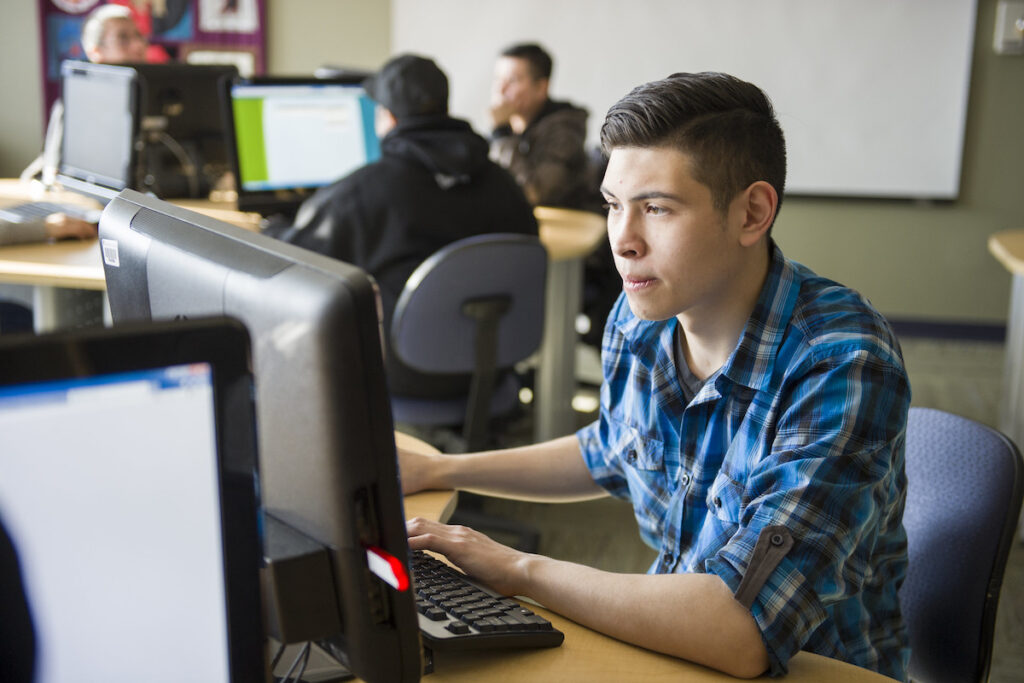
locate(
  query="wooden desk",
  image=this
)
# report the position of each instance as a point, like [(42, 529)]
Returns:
[(1008, 248), (52, 268), (587, 655)]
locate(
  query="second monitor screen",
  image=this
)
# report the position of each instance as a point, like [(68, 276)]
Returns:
[(291, 136)]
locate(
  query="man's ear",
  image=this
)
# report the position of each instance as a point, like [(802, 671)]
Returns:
[(758, 203)]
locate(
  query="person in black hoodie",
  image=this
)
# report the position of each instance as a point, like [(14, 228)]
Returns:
[(433, 185)]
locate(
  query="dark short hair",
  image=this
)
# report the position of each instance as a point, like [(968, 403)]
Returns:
[(725, 125), (536, 56)]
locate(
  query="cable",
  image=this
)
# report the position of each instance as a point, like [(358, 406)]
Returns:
[(277, 656), (187, 167), (303, 655)]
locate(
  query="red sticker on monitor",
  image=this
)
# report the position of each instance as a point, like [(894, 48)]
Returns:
[(389, 568)]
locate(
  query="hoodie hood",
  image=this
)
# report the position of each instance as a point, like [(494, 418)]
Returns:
[(448, 148)]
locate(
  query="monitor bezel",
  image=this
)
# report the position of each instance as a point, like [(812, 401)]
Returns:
[(284, 202)]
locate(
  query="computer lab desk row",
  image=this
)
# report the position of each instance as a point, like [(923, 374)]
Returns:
[(587, 655), (569, 237)]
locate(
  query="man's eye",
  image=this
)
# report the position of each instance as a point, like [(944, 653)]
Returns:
[(655, 210)]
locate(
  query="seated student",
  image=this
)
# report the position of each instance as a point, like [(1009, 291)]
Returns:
[(539, 140), (752, 411), (109, 36), (433, 185)]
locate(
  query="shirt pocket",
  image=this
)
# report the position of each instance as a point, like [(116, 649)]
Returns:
[(638, 452), (725, 499), (642, 462)]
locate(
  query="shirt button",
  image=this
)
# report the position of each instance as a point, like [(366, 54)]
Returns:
[(667, 559), (717, 501), (684, 480), (631, 456)]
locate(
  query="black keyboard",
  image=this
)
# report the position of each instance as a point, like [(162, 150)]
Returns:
[(456, 613), (27, 211)]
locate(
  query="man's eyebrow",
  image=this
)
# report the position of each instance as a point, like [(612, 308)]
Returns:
[(652, 194)]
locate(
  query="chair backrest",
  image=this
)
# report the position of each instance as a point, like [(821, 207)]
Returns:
[(430, 330), (964, 487)]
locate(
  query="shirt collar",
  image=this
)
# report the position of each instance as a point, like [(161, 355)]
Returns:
[(752, 361)]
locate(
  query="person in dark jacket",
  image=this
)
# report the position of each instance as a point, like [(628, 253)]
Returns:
[(538, 139), (433, 185)]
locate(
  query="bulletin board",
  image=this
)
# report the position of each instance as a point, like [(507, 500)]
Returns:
[(872, 94), (194, 31)]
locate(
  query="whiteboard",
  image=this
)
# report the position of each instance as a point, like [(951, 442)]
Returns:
[(871, 94)]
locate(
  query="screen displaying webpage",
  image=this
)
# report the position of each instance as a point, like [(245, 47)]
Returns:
[(301, 135)]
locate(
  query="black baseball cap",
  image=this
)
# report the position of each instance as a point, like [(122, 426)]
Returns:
[(409, 85)]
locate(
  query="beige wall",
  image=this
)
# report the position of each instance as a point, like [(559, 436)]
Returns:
[(922, 261)]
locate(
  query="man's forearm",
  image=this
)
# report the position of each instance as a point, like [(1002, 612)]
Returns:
[(550, 471), (691, 616)]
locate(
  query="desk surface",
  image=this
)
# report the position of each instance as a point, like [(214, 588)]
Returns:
[(587, 655), (567, 235), (1008, 248)]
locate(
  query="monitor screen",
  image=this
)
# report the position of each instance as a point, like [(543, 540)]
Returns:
[(100, 123), (182, 127), (127, 485), (292, 136), (328, 465)]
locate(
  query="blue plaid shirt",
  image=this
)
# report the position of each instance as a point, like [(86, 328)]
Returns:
[(803, 427)]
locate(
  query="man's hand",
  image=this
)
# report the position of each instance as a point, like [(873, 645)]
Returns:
[(61, 226), (498, 566), (500, 110)]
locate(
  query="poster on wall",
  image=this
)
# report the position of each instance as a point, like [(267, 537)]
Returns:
[(193, 31)]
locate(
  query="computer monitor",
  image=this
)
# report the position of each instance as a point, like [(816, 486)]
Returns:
[(327, 449), (290, 136), (128, 488), (101, 105), (182, 127)]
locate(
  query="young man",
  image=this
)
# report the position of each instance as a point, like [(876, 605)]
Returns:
[(539, 140), (432, 186), (753, 412)]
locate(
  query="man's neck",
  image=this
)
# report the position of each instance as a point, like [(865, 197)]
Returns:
[(709, 336)]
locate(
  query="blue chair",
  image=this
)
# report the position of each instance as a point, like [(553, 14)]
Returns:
[(15, 317), (964, 488), (475, 307)]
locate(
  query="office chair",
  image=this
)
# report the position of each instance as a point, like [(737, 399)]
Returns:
[(964, 487), (15, 317), (475, 306)]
